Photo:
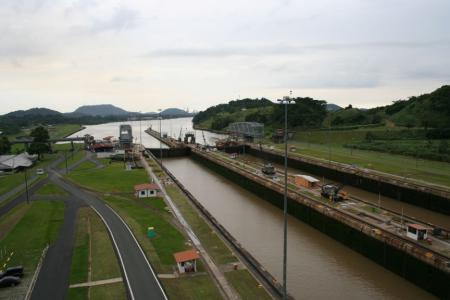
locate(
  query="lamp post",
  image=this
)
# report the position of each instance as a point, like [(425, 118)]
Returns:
[(140, 128), (160, 137), (26, 186), (286, 100), (65, 157)]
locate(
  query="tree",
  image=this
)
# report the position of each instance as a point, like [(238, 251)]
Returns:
[(40, 141), (370, 136), (5, 145), (443, 147)]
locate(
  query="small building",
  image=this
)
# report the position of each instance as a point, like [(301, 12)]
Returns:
[(187, 261), (305, 181), (416, 232), (10, 163), (146, 190)]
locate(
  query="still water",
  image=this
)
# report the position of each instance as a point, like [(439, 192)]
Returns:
[(172, 127), (318, 266)]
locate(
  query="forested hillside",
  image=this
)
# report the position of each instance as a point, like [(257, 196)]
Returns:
[(303, 112), (427, 111)]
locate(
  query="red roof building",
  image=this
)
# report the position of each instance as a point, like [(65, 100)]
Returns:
[(186, 260), (146, 190)]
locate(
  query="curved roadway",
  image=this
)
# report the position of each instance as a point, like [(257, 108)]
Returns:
[(140, 279)]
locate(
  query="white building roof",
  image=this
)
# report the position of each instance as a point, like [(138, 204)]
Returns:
[(307, 177), (15, 161)]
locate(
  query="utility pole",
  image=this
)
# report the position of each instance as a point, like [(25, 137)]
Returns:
[(140, 128), (160, 137), (286, 100), (329, 144), (65, 156), (26, 186)]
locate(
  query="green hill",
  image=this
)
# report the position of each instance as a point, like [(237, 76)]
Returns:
[(428, 110), (303, 112)]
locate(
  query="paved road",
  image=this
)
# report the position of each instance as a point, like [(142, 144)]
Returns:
[(138, 274), (4, 209), (54, 276), (53, 279)]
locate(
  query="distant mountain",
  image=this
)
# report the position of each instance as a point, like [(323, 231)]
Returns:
[(174, 112), (37, 111), (333, 107), (100, 110)]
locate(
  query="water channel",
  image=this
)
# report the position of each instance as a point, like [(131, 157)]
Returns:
[(172, 127), (318, 266)]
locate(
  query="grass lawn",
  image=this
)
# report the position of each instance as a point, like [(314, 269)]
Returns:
[(58, 131), (329, 145), (78, 293), (198, 287), (80, 255), (161, 248), (111, 179), (426, 170), (68, 147), (10, 220), (213, 244), (168, 239), (72, 157), (104, 265), (63, 130), (38, 227), (246, 285), (156, 203), (51, 189), (85, 165), (114, 291), (104, 261)]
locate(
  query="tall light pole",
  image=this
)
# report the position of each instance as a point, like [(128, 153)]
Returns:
[(26, 186), (140, 128), (160, 137), (286, 100)]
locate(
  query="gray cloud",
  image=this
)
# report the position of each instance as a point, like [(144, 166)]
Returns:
[(25, 6), (291, 49), (122, 19)]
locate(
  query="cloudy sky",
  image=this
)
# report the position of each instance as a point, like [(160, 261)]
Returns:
[(145, 55)]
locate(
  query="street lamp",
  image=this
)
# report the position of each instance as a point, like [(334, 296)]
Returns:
[(286, 100), (160, 137), (26, 186), (140, 128)]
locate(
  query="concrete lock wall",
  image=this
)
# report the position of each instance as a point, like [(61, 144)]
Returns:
[(418, 272), (170, 152), (411, 196)]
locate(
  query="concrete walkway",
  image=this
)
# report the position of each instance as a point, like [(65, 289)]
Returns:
[(98, 282), (229, 291)]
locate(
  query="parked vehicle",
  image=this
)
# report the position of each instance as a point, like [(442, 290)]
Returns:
[(9, 281), (40, 171), (333, 193), (16, 271), (268, 169)]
